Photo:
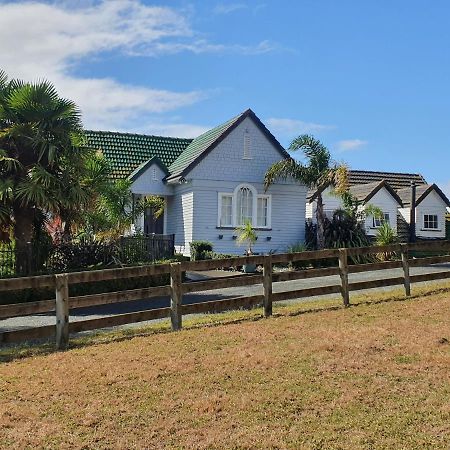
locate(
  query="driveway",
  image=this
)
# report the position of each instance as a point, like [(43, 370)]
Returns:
[(161, 302)]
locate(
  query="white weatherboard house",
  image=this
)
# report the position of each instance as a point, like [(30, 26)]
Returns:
[(430, 211), (211, 184), (391, 192)]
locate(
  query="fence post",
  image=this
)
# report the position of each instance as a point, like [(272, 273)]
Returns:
[(405, 264), (343, 273), (62, 310), (176, 296), (267, 285)]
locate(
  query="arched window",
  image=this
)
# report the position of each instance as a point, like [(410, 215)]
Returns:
[(244, 206)]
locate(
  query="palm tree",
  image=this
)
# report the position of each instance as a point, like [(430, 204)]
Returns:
[(319, 171), (42, 156)]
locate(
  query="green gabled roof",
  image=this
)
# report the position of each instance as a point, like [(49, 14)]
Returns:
[(203, 144), (198, 146), (126, 152)]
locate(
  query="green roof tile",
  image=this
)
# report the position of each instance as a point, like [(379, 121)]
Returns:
[(126, 152), (129, 153), (198, 146)]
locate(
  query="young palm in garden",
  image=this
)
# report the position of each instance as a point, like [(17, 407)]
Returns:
[(319, 171)]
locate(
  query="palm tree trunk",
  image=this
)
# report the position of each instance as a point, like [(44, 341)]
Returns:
[(320, 219), (23, 235)]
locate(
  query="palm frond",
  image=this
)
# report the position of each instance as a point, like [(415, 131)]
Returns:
[(288, 168)]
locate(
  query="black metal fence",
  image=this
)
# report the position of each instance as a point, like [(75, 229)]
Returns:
[(40, 258)]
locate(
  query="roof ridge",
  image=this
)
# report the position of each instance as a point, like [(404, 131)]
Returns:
[(383, 172), (138, 135)]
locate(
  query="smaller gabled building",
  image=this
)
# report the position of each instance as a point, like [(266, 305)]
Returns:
[(382, 195), (391, 192), (430, 210)]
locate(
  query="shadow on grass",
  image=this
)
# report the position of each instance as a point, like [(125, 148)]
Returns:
[(18, 351)]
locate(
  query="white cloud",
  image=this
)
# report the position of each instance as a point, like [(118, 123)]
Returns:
[(185, 130), (203, 46), (227, 8), (350, 144), (50, 40), (293, 127)]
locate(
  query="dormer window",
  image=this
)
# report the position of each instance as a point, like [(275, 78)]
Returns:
[(247, 149), (378, 221)]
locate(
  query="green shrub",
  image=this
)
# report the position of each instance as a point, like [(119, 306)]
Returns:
[(199, 248), (386, 235)]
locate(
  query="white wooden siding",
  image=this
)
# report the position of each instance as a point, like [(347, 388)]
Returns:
[(180, 217), (226, 162), (287, 221), (147, 185), (331, 203), (431, 204), (383, 200)]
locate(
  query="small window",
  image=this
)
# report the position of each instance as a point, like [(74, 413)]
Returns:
[(378, 221), (247, 149), (262, 212), (154, 175), (430, 221), (226, 210)]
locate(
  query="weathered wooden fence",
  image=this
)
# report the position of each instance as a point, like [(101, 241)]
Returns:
[(62, 304)]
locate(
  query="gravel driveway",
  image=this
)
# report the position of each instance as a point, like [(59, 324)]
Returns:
[(160, 302)]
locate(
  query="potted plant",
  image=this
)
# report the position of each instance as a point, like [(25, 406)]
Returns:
[(246, 235)]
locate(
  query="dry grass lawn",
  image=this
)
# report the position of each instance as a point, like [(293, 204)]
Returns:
[(375, 376)]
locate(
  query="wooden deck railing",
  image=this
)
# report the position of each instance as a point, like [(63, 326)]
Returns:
[(62, 303)]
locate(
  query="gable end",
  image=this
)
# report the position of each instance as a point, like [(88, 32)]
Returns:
[(250, 114)]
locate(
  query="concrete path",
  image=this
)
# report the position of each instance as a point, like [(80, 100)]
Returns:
[(160, 302)]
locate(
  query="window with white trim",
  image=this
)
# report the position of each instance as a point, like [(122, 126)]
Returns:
[(244, 208), (226, 210), (244, 204), (430, 221), (262, 211), (378, 221)]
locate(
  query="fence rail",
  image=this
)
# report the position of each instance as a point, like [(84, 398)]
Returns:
[(177, 288)]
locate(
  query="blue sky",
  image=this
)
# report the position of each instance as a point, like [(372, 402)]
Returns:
[(369, 78)]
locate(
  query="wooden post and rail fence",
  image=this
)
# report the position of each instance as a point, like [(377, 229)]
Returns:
[(62, 303)]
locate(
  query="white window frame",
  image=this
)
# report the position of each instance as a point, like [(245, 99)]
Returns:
[(377, 222), (255, 197), (219, 209), (437, 222), (269, 211)]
